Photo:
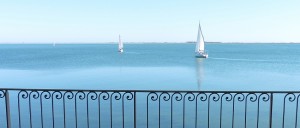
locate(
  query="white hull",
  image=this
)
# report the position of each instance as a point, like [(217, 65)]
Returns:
[(201, 55), (120, 50)]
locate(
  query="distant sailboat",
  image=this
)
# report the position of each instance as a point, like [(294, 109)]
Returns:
[(200, 52), (53, 44), (120, 44)]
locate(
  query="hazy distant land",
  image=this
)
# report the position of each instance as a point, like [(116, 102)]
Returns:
[(144, 42)]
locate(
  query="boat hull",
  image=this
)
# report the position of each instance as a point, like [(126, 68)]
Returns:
[(201, 55)]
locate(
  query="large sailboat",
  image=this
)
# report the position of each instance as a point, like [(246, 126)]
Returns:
[(120, 45), (199, 50)]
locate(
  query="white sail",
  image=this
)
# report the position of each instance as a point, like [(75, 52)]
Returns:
[(120, 44), (200, 41)]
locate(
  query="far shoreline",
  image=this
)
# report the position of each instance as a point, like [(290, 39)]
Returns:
[(188, 42)]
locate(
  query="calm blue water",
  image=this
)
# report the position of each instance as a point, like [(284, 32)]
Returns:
[(151, 66)]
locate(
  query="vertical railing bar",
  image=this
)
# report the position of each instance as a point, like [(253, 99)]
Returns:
[(64, 109), (257, 119), (99, 110), (19, 109), (246, 103), (134, 109), (147, 112), (233, 111), (75, 105), (183, 111), (41, 105), (30, 116), (123, 119), (283, 113), (271, 111), (208, 112), (221, 111), (172, 110), (7, 105), (297, 105), (196, 113), (87, 110), (111, 107), (52, 104), (159, 110)]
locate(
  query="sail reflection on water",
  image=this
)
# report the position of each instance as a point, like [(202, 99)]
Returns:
[(199, 71)]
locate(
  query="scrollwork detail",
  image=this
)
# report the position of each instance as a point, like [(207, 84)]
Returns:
[(291, 97), (240, 97), (128, 95), (264, 96), (190, 96), (177, 95), (215, 97), (23, 94), (57, 95), (2, 93), (104, 95), (80, 95), (252, 97), (165, 96), (153, 96), (116, 95), (34, 94), (227, 96), (202, 96), (92, 95)]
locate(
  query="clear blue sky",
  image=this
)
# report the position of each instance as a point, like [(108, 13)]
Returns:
[(149, 20)]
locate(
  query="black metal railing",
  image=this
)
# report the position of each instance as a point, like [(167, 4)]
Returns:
[(49, 108)]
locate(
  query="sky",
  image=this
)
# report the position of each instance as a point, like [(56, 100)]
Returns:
[(93, 21)]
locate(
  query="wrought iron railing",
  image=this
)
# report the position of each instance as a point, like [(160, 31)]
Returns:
[(49, 108)]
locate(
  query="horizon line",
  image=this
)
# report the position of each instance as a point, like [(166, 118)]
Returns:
[(136, 42)]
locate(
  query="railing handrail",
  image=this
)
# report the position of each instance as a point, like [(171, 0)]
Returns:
[(113, 90)]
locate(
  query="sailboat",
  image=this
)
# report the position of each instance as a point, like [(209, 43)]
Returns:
[(199, 50), (120, 44)]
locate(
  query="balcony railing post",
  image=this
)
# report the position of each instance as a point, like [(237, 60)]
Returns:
[(7, 105), (271, 111)]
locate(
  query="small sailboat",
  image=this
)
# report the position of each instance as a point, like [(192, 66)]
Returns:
[(53, 44), (200, 52), (120, 44)]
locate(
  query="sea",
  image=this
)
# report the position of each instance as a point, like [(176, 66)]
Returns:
[(146, 66), (151, 66)]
